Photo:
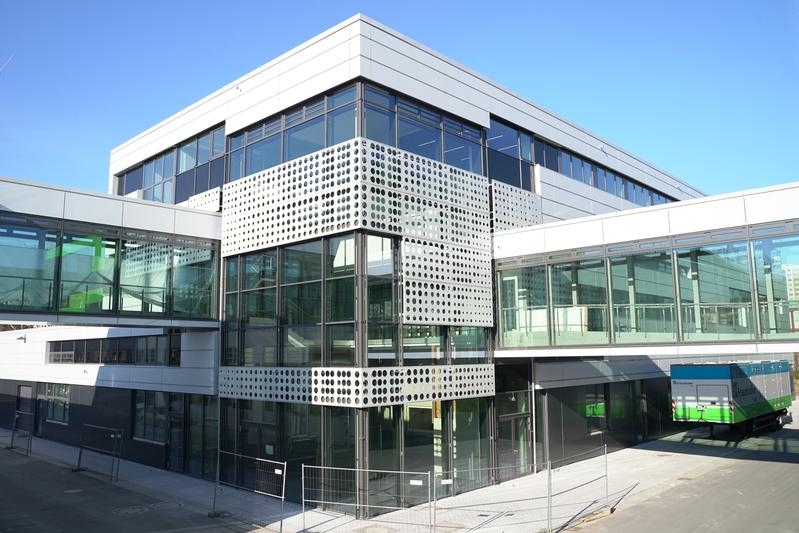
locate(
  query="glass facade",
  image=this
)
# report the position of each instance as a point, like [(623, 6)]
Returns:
[(324, 121), (156, 350), (66, 267), (694, 289), (503, 152), (194, 166)]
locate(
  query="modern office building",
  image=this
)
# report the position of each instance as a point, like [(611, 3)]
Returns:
[(363, 254)]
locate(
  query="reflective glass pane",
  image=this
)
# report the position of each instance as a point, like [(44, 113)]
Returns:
[(260, 269), (262, 155), (419, 138), (381, 348), (27, 267), (579, 295), (340, 299), (341, 256), (302, 303), (470, 446), (715, 292), (423, 345), (462, 153), (218, 142), (204, 149), (187, 156), (304, 139), (341, 344), (133, 180), (169, 164), (643, 298), (341, 125), (777, 277), (341, 97), (504, 168), (302, 262), (194, 274), (184, 186), (260, 347), (503, 139), (236, 165), (301, 345), (378, 125), (149, 173), (144, 276), (523, 314), (259, 308), (167, 194), (469, 344), (87, 273)]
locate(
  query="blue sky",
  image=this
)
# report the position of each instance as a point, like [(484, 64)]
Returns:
[(704, 90)]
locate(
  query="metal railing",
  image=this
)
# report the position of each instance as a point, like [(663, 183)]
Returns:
[(22, 429), (367, 494), (255, 475), (105, 441)]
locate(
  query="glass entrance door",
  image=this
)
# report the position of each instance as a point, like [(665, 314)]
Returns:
[(513, 447)]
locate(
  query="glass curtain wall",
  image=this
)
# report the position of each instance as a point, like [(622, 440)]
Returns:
[(738, 290), (28, 259), (579, 302), (776, 263), (522, 301), (715, 292), (643, 298), (88, 265), (144, 274), (309, 127), (381, 308)]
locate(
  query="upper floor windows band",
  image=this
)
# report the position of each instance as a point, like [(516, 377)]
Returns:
[(503, 152)]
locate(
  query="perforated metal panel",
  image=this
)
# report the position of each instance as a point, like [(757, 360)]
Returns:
[(357, 387), (206, 201), (513, 207), (441, 212)]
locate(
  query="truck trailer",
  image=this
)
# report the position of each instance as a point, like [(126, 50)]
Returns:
[(750, 394)]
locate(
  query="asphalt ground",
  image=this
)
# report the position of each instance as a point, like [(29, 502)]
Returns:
[(38, 496), (749, 484)]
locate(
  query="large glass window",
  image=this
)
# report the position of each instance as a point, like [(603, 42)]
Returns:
[(262, 155), (378, 124), (381, 315), (27, 264), (468, 344), (341, 125), (715, 292), (419, 138), (777, 277), (88, 262), (523, 314), (194, 279), (423, 345), (302, 262), (462, 153), (56, 398), (304, 139), (643, 298), (144, 276), (579, 297), (150, 410)]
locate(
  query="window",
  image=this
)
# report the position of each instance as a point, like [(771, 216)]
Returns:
[(262, 155), (56, 397), (27, 263), (150, 410)]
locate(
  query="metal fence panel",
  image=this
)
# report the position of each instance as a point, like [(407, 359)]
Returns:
[(102, 440), (21, 432), (353, 497), (249, 488)]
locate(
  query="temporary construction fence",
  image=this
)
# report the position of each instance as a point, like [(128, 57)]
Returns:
[(250, 488), (21, 432), (366, 496), (102, 440), (558, 494)]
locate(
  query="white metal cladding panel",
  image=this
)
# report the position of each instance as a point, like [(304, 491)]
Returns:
[(512, 207), (357, 387), (441, 212)]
